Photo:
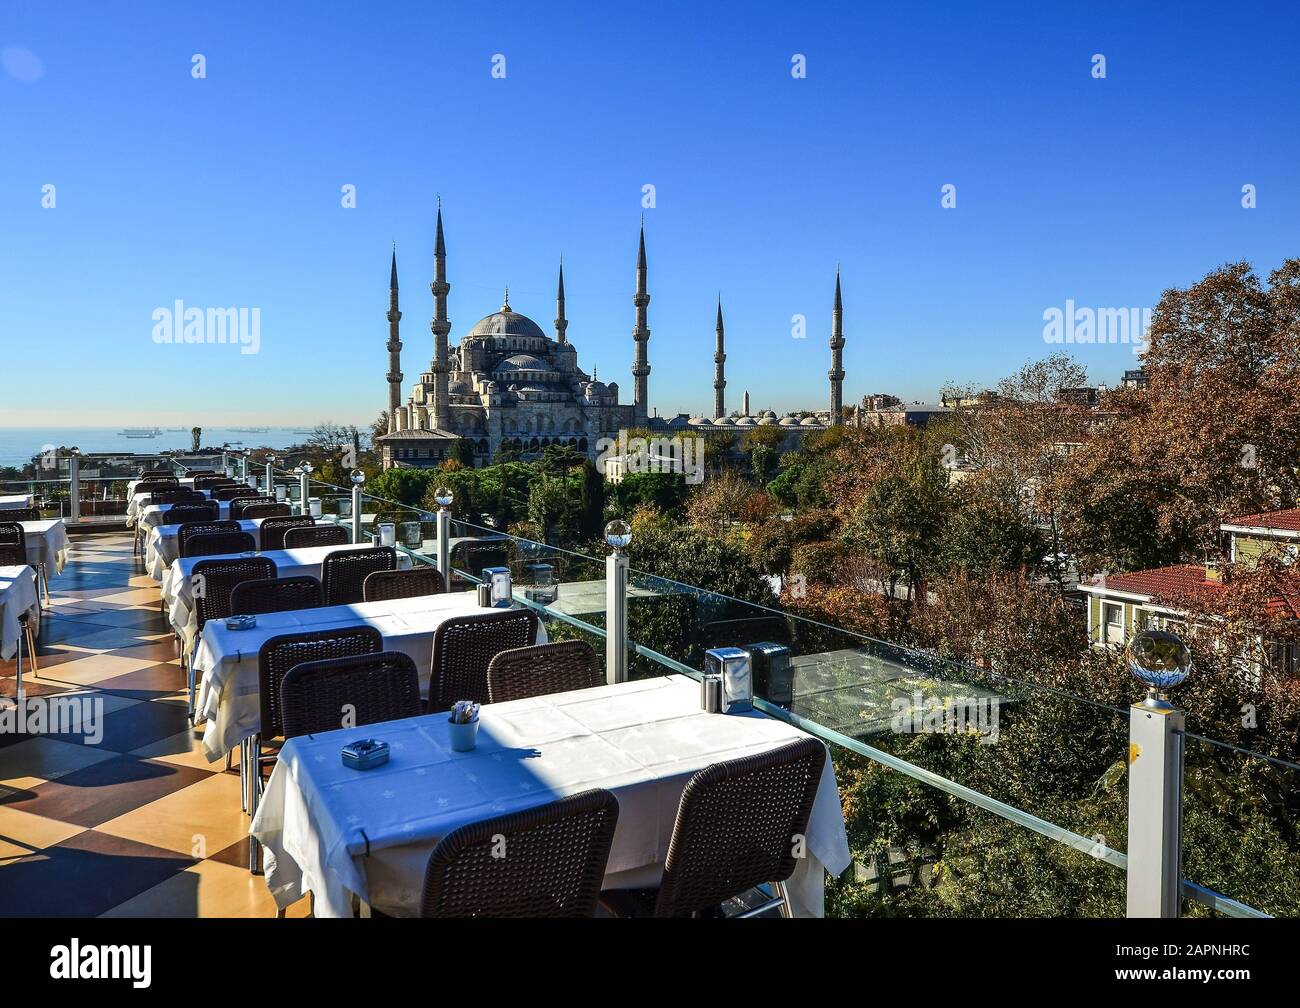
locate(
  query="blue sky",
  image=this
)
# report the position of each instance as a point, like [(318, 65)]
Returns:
[(225, 191)]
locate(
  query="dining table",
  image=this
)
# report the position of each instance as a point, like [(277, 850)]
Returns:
[(225, 661), (47, 543), (365, 836), (18, 597), (178, 590), (162, 545), (10, 502)]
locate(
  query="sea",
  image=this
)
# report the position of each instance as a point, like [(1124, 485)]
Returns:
[(19, 444)]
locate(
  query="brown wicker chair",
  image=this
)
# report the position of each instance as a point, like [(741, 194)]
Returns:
[(228, 493), (464, 646), (557, 858), (273, 530), (157, 481), (737, 827), (396, 584), (280, 654), (264, 511), (238, 504), (218, 578), (343, 574), (13, 545), (276, 595), (22, 514), (210, 480), (473, 557), (220, 544), (372, 687), (153, 473), (541, 669), (179, 514), (188, 530), (323, 534)]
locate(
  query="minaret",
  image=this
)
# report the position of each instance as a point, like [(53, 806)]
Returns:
[(561, 323), (836, 374), (719, 358), (440, 327), (641, 334), (394, 349)]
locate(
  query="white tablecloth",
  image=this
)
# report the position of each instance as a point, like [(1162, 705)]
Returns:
[(152, 515), (17, 596), (641, 740), (140, 502), (305, 562), (47, 543), (161, 545), (226, 660), (11, 501)]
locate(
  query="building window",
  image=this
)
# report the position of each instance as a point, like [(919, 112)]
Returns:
[(1113, 623)]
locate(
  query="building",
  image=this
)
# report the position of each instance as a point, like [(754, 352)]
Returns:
[(1121, 605), (508, 384)]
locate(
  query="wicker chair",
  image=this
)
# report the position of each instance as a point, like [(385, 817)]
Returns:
[(282, 653), (22, 514), (464, 646), (179, 514), (238, 504), (276, 595), (211, 480), (152, 473), (264, 511), (220, 544), (396, 584), (473, 557), (343, 574), (747, 630), (189, 530), (736, 828), (557, 858), (273, 530), (219, 577), (541, 669), (13, 545), (150, 481), (229, 493), (301, 536), (373, 687)]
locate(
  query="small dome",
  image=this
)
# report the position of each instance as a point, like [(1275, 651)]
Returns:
[(723, 421), (698, 421), (459, 388), (746, 421), (789, 421), (809, 421), (767, 421), (522, 362)]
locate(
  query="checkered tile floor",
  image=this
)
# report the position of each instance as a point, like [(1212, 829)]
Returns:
[(139, 824)]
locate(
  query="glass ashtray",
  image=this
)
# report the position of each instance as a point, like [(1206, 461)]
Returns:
[(241, 622)]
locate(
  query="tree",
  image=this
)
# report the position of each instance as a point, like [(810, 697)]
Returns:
[(463, 452), (717, 502), (196, 438), (379, 427), (592, 507), (762, 463)]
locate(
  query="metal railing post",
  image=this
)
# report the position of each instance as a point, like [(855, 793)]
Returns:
[(1155, 808), (444, 546), (270, 476), (304, 483), (618, 534), (358, 478), (74, 488)]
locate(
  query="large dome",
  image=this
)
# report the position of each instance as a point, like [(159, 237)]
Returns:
[(506, 323)]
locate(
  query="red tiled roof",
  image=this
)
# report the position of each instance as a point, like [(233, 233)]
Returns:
[(1288, 520), (1176, 580)]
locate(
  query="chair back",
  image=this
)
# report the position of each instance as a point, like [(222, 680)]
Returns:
[(264, 511), (473, 557), (541, 669), (179, 514), (229, 493), (219, 577), (21, 514), (211, 480), (238, 504), (747, 630), (276, 595), (557, 858), (343, 574), (395, 584), (13, 544), (464, 646), (188, 530), (279, 654), (371, 687), (152, 473), (220, 543), (274, 528), (738, 826), (324, 534)]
